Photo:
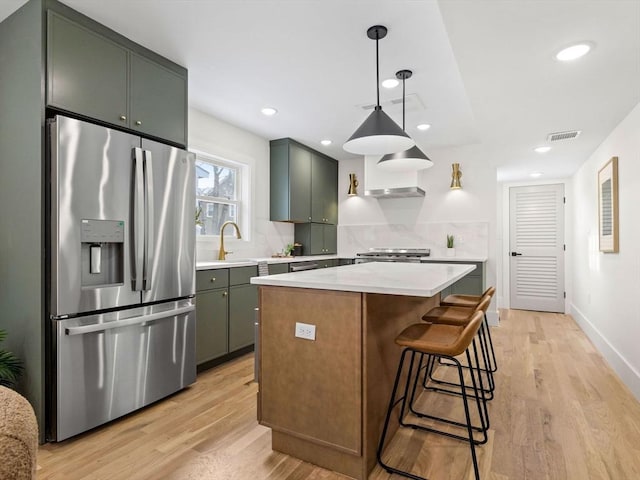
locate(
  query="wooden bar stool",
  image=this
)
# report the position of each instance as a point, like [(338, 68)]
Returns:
[(434, 341), (460, 316), (471, 301)]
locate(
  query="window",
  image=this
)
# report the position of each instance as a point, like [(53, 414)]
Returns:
[(217, 193)]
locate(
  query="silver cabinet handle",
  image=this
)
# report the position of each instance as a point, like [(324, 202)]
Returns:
[(98, 327), (224, 294), (138, 122), (123, 118), (212, 279)]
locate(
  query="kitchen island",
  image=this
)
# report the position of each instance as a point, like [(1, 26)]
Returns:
[(325, 398)]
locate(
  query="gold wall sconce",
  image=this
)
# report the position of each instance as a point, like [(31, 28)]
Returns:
[(455, 176), (353, 185)]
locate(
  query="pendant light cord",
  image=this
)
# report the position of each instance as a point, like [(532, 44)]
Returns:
[(377, 74), (403, 97)]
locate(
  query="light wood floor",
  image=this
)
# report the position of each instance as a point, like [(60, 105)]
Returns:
[(559, 413)]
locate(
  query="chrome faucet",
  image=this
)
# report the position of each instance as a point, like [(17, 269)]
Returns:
[(222, 254)]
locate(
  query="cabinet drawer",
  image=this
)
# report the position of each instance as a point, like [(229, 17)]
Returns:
[(276, 268), (242, 275), (209, 279)]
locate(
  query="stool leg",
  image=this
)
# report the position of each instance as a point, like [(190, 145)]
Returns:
[(487, 392), (392, 403), (463, 390), (493, 352)]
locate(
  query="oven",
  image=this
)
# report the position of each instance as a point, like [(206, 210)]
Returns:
[(406, 255)]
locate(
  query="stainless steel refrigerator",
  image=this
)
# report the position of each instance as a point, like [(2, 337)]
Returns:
[(122, 274)]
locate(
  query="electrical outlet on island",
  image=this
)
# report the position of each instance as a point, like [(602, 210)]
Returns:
[(306, 331)]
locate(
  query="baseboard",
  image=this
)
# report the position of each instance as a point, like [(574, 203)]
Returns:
[(493, 317), (627, 373)]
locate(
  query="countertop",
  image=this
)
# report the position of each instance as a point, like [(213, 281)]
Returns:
[(456, 258), (247, 262), (412, 279)]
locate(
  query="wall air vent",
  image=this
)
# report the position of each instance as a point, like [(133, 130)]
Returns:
[(554, 137)]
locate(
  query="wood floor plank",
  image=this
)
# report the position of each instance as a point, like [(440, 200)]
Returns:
[(559, 413)]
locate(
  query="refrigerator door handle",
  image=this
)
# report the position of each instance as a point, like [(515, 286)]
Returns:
[(137, 220), (149, 240), (127, 322)]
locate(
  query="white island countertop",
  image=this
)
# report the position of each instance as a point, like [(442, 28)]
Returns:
[(412, 279)]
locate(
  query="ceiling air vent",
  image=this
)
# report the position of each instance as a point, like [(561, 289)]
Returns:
[(554, 137)]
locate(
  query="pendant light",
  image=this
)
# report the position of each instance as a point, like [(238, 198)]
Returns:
[(412, 159), (379, 134)]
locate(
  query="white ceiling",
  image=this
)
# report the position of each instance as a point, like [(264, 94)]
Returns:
[(484, 70)]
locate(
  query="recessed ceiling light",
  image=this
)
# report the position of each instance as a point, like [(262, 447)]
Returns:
[(269, 111), (541, 149), (326, 143), (573, 52), (423, 126), (390, 83), (535, 174)]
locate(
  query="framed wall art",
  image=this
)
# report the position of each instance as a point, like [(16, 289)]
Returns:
[(608, 206)]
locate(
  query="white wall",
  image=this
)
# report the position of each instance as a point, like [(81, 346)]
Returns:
[(365, 221), (606, 285), (215, 137)]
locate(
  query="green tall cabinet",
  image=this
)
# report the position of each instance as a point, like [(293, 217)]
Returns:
[(55, 60)]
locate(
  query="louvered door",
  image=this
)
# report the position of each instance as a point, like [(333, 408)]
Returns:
[(536, 242)]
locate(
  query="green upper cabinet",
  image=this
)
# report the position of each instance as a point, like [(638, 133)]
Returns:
[(89, 73), (86, 72), (158, 100), (290, 195), (324, 189), (304, 184)]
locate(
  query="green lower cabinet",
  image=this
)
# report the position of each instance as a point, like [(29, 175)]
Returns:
[(243, 299), (212, 311), (275, 268), (471, 284)]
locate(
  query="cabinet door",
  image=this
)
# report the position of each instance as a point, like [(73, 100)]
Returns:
[(316, 240), (330, 243), (331, 192), (86, 73), (275, 268), (324, 190), (469, 285), (242, 301), (158, 100), (299, 181), (211, 324)]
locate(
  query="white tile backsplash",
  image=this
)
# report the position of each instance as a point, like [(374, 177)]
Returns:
[(471, 239)]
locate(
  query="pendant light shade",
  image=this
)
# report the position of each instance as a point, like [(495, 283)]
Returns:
[(378, 135), (408, 160)]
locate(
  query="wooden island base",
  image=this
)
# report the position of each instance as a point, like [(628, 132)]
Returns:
[(326, 400)]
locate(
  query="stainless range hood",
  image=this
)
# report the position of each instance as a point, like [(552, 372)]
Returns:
[(397, 192)]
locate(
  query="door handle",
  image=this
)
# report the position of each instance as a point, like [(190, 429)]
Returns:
[(515, 254)]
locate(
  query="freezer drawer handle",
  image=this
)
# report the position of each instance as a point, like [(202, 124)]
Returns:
[(128, 321)]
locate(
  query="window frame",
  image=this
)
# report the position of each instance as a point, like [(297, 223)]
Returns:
[(237, 202)]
